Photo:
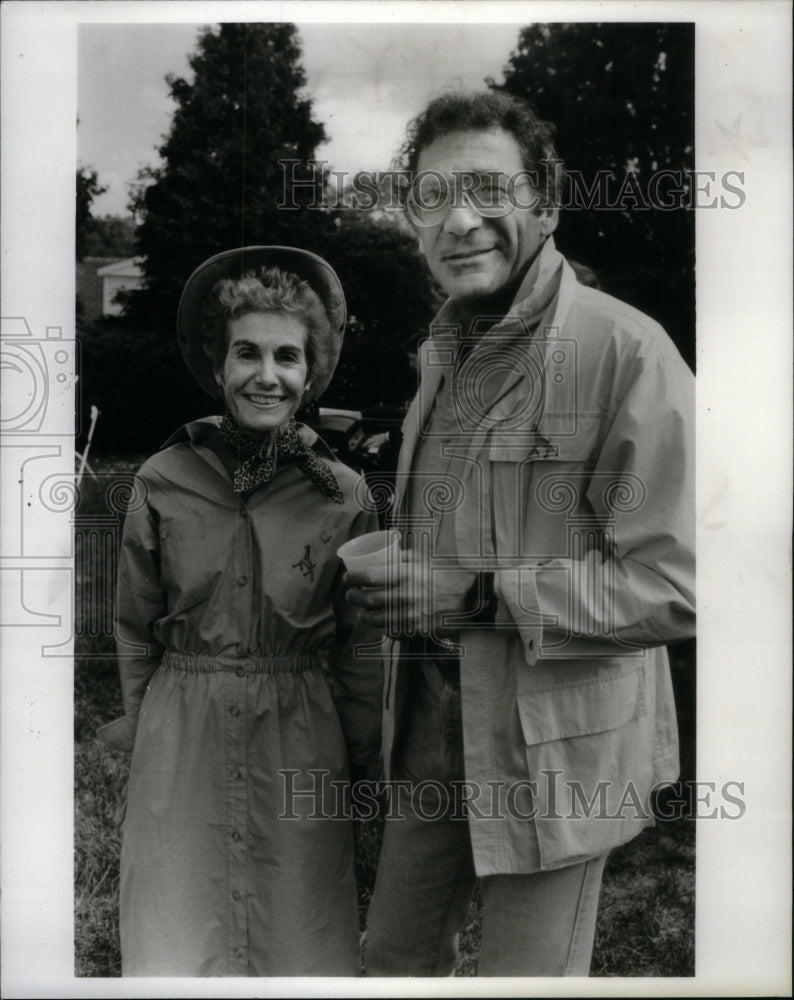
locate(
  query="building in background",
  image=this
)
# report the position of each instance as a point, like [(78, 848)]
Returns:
[(100, 279)]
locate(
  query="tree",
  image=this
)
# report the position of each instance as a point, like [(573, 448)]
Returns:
[(220, 182), (219, 186), (87, 188), (390, 297), (622, 98), (110, 236)]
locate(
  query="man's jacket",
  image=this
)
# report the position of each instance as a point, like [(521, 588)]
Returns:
[(572, 479)]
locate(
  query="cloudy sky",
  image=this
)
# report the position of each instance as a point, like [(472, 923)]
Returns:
[(366, 81)]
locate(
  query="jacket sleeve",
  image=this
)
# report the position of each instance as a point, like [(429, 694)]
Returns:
[(357, 667), (140, 601), (634, 587)]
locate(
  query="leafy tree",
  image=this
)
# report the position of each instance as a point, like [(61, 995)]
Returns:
[(220, 183), (219, 186), (110, 236), (87, 188), (390, 298), (622, 98)]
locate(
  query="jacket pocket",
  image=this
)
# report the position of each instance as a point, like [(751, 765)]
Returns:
[(537, 480), (594, 706), (588, 751), (556, 439)]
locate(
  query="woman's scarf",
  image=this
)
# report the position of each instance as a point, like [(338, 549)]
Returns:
[(258, 459)]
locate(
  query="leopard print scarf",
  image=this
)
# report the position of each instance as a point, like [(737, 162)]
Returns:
[(258, 460)]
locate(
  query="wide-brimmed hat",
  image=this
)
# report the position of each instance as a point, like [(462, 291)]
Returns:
[(235, 264)]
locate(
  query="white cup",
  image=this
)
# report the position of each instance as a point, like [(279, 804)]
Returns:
[(375, 549)]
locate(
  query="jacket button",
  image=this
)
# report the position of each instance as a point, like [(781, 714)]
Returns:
[(235, 773), (236, 835), (233, 709), (237, 895), (242, 581), (243, 512), (240, 671)]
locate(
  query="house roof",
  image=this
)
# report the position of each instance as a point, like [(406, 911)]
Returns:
[(131, 267)]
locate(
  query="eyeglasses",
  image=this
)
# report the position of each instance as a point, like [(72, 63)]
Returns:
[(491, 195)]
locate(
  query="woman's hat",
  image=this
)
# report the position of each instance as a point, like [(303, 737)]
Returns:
[(235, 264)]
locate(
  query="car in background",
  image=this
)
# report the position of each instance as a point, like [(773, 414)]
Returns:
[(342, 431), (367, 440)]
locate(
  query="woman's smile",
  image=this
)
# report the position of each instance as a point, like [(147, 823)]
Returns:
[(258, 400)]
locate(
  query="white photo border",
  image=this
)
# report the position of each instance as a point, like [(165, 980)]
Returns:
[(744, 438)]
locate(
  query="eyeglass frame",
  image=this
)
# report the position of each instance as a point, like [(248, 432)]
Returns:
[(467, 195)]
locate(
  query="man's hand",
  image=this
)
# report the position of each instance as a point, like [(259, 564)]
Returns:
[(409, 598)]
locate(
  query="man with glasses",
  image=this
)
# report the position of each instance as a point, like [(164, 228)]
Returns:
[(545, 500)]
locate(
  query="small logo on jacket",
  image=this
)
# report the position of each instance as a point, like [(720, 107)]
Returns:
[(305, 565)]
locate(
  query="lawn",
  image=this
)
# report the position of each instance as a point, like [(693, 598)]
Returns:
[(647, 913)]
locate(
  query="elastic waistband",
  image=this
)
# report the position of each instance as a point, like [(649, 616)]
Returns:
[(271, 663)]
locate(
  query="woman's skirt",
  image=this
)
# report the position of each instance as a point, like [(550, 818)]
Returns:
[(237, 854)]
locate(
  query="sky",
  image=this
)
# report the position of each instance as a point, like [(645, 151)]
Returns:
[(365, 80)]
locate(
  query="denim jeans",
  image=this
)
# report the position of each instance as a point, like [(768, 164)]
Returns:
[(541, 924)]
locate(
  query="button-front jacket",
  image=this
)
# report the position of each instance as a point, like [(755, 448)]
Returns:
[(571, 478), (245, 701)]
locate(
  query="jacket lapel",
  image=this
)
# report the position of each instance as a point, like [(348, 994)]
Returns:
[(436, 359)]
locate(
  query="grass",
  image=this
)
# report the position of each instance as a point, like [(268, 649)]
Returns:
[(647, 912)]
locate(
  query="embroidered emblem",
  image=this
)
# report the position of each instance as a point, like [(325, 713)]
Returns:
[(305, 565), (544, 450)]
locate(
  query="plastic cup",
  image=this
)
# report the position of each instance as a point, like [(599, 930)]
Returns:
[(376, 549)]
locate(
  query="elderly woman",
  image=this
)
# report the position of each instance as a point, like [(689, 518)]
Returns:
[(246, 693)]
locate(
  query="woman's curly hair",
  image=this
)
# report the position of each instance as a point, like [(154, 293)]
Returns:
[(266, 290)]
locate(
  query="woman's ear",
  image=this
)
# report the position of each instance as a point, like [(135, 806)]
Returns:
[(549, 217)]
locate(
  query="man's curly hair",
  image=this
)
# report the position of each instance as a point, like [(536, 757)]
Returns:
[(483, 111)]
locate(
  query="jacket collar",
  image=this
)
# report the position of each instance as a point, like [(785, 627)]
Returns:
[(200, 433)]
